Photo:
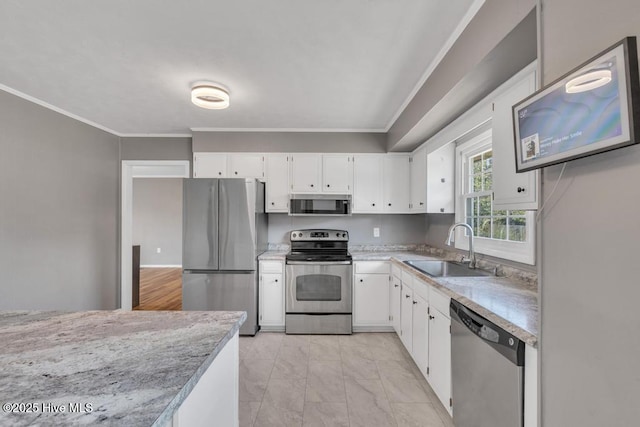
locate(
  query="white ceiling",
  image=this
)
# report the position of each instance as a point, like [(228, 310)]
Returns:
[(322, 65)]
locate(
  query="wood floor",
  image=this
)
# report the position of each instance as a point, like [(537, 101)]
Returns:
[(160, 289)]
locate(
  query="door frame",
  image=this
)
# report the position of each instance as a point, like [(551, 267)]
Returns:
[(139, 169)]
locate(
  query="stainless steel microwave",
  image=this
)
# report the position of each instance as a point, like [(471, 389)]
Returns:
[(320, 204)]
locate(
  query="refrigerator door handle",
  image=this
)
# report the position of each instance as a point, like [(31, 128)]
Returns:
[(223, 230), (211, 215)]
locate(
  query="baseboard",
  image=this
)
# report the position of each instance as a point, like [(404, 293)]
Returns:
[(373, 329), (272, 328), (161, 266)]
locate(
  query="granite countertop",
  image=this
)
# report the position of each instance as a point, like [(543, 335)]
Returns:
[(133, 368), (508, 302)]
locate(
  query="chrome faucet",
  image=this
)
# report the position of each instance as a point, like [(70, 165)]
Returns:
[(472, 255)]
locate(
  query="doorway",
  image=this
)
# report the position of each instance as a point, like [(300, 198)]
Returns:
[(134, 169)]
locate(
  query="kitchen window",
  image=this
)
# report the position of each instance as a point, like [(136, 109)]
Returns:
[(505, 234)]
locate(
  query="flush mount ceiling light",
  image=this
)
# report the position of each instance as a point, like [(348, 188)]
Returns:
[(588, 81), (210, 95)]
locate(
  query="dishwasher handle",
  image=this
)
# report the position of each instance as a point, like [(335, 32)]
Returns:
[(502, 341)]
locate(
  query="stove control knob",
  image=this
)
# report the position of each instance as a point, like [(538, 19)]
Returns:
[(344, 235), (300, 235), (294, 235), (337, 234)]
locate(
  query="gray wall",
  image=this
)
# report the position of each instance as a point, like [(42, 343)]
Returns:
[(156, 148), (58, 210), (294, 142), (590, 345), (393, 228), (157, 220), (488, 52)]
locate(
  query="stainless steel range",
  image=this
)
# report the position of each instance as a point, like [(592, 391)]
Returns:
[(319, 271)]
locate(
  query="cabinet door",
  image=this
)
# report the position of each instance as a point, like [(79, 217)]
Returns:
[(305, 173), (277, 177), (440, 179), (245, 165), (420, 333), (419, 181), (396, 190), (406, 317), (271, 300), (209, 165), (440, 356), (367, 184), (371, 300), (395, 290), (511, 190), (337, 173)]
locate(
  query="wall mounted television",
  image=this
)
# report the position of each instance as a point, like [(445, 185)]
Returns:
[(592, 109)]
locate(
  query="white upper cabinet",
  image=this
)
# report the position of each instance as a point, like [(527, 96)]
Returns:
[(511, 190), (277, 187), (337, 173), (209, 165), (440, 179), (305, 173), (367, 183), (419, 181), (396, 190), (245, 165), (228, 165)]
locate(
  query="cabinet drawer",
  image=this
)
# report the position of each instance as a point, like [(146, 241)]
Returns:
[(421, 288), (271, 267), (439, 301), (396, 271), (407, 278), (372, 267)]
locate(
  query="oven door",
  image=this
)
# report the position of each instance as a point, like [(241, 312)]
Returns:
[(318, 287)]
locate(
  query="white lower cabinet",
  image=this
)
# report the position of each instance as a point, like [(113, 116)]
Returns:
[(420, 332), (406, 316), (395, 292), (371, 295), (439, 376), (271, 295)]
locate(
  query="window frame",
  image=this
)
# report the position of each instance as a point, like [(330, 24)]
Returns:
[(523, 252)]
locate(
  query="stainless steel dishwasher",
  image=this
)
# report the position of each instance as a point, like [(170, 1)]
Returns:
[(487, 369)]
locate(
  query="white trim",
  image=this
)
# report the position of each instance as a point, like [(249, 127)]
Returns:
[(523, 252), (466, 19), (126, 215), (155, 135), (56, 109), (317, 130), (161, 266)]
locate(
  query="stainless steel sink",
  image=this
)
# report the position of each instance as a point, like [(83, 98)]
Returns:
[(436, 268)]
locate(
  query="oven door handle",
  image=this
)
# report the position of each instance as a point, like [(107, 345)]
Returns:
[(319, 262)]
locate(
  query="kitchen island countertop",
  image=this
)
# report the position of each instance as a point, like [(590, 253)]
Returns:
[(107, 368)]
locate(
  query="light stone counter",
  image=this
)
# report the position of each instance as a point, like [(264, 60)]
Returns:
[(133, 368)]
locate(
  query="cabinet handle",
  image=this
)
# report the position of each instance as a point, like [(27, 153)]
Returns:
[(407, 296), (415, 302), (389, 204), (312, 185), (520, 189), (373, 204), (421, 204), (395, 286), (276, 280), (431, 317), (273, 203), (441, 179), (236, 172), (361, 280), (328, 185), (219, 173), (441, 209)]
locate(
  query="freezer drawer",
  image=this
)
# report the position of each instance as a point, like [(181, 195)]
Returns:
[(225, 292)]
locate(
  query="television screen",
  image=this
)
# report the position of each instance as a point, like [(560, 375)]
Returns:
[(588, 111)]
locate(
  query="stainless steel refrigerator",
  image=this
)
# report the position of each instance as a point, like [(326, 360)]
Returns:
[(224, 230)]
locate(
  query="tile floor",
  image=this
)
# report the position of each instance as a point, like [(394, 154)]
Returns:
[(364, 379)]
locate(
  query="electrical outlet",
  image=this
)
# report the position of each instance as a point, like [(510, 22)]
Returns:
[(376, 231), (158, 250)]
